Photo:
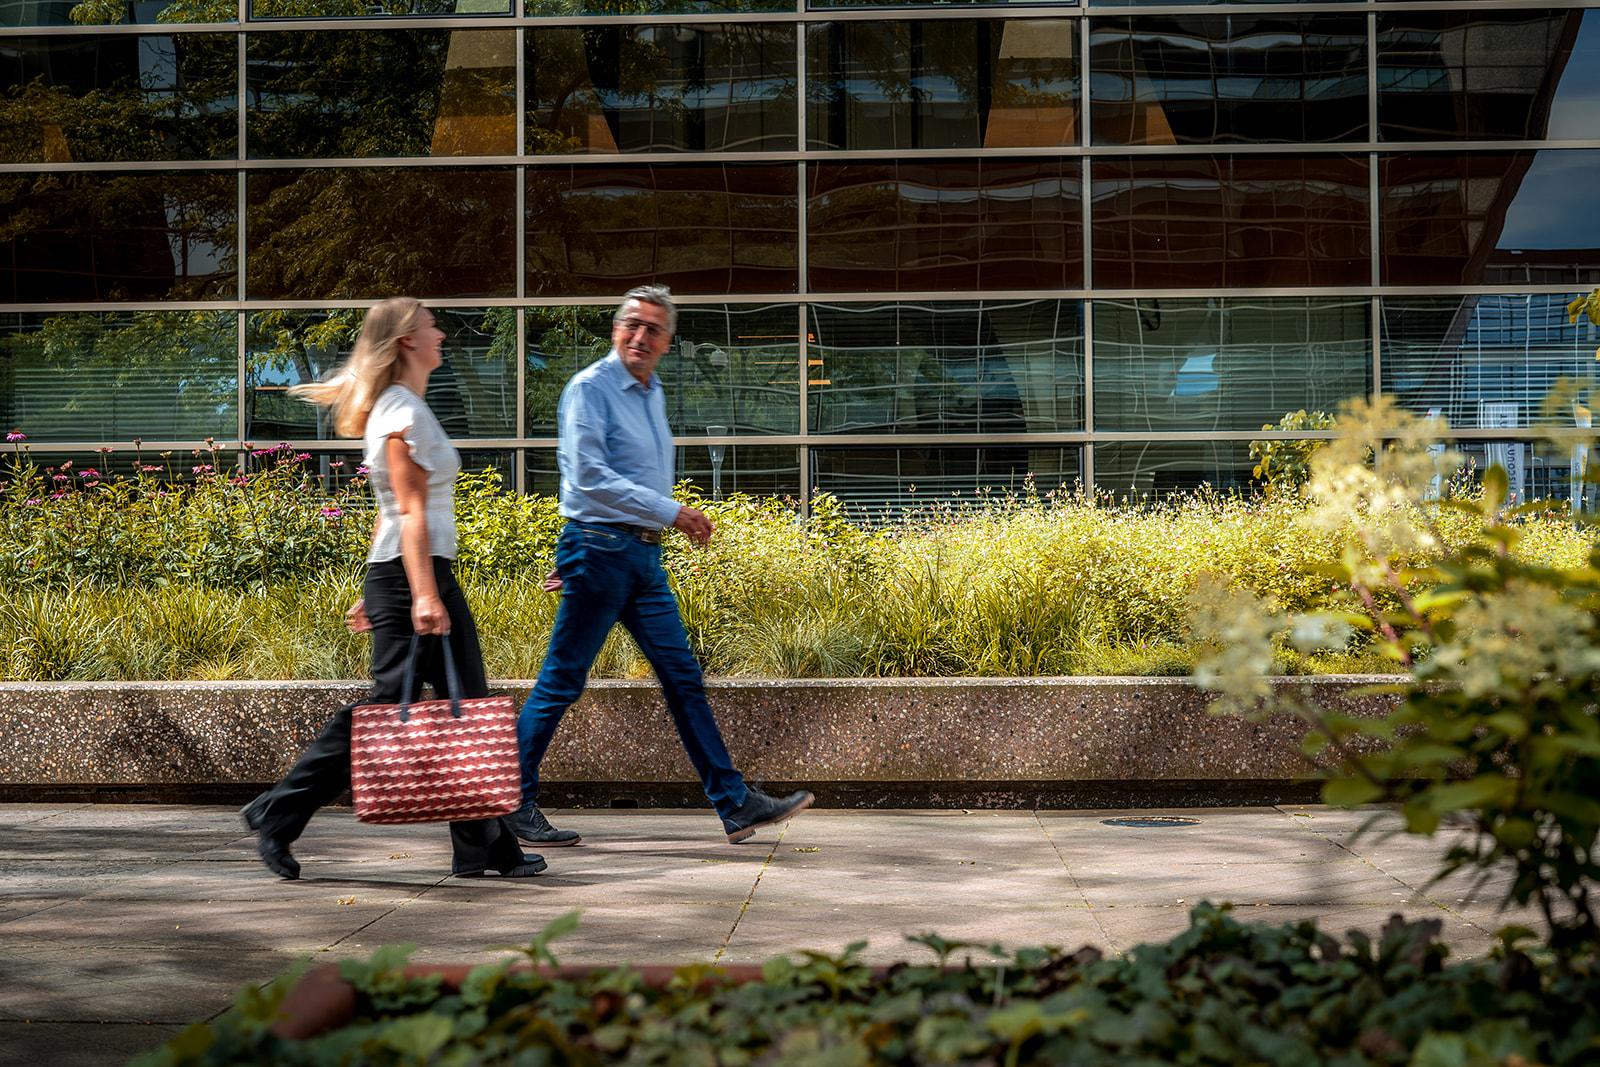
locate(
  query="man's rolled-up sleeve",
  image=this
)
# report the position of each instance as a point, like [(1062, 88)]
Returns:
[(583, 430)]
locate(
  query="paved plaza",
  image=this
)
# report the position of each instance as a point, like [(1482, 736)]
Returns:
[(120, 924)]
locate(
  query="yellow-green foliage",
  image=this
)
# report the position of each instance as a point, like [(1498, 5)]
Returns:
[(250, 579)]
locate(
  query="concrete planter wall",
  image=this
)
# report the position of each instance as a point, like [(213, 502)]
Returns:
[(960, 740)]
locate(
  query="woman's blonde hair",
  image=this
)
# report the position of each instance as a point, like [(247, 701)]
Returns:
[(351, 390)]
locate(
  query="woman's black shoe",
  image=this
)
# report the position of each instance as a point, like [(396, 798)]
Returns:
[(531, 865)]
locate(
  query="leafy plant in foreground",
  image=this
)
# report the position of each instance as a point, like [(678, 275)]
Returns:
[(1497, 726), (1221, 993)]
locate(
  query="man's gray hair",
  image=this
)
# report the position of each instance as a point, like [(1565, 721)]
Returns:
[(659, 295)]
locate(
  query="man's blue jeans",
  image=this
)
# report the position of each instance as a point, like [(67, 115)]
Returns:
[(609, 576)]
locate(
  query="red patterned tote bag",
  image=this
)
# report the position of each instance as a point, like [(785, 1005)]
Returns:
[(434, 760)]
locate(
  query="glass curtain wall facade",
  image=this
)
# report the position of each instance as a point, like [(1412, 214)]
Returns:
[(921, 249)]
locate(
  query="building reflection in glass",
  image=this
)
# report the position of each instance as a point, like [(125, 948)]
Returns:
[(709, 228), (353, 94), (1227, 363), (990, 366), (1268, 221), (1495, 218), (1488, 75), (1221, 79), (945, 225), (980, 83), (661, 88), (883, 482)]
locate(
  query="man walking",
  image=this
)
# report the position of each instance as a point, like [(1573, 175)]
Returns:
[(616, 458)]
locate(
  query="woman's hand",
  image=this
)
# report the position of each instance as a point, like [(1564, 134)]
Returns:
[(356, 618), (428, 615)]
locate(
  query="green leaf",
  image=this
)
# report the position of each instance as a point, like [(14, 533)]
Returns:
[(1496, 487), (1482, 791), (1350, 792)]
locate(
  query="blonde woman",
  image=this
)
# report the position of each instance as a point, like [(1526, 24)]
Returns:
[(409, 587)]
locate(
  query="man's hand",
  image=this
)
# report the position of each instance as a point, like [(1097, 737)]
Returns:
[(552, 582), (694, 524), (356, 618)]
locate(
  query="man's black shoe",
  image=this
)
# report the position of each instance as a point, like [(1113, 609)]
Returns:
[(273, 853), (760, 810), (533, 828)]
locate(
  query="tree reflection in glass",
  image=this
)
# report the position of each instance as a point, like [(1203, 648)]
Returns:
[(336, 94), (473, 392), (114, 376), (117, 98), (661, 88)]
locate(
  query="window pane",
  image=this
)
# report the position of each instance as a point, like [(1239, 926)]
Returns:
[(661, 88), (1158, 468), (561, 342), (1483, 75), (105, 236), (117, 99), (335, 94), (883, 482), (958, 367), (700, 229), (474, 391), (1535, 470), (296, 9), (731, 368), (114, 376), (109, 12), (816, 5), (1226, 221), (1486, 361), (942, 84), (756, 470), (652, 7), (381, 231), (1230, 363), (1496, 218), (909, 227), (1219, 79)]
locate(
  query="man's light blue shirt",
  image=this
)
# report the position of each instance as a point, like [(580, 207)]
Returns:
[(616, 451)]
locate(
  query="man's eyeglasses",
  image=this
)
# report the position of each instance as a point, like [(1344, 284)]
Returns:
[(651, 330)]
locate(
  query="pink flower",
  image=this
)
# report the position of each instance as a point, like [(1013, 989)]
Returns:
[(301, 457), (331, 512), (262, 451), (336, 464), (31, 503), (60, 478), (242, 479), (148, 469), (16, 435), (88, 474), (361, 468), (202, 468)]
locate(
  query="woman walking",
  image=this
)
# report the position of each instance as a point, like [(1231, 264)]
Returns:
[(409, 586)]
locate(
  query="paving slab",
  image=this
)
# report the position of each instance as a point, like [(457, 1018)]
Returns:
[(121, 923)]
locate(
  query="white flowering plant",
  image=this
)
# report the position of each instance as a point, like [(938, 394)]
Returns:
[(1496, 726)]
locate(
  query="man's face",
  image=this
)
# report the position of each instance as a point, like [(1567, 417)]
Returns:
[(641, 337)]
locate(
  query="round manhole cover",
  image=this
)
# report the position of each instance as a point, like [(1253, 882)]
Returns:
[(1144, 822)]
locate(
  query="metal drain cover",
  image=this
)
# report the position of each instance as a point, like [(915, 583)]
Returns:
[(1145, 822)]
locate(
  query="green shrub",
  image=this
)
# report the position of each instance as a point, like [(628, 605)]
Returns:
[(1221, 993), (1005, 585), (1497, 728)]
